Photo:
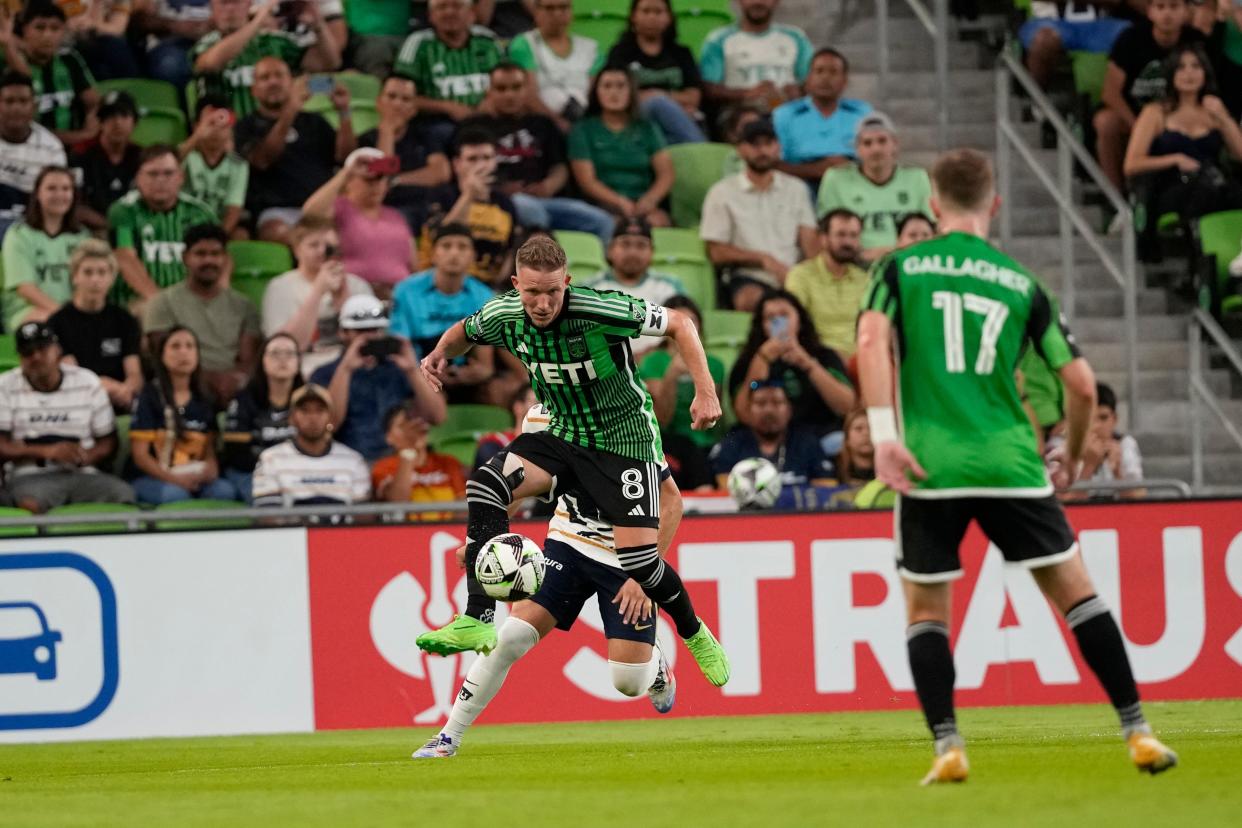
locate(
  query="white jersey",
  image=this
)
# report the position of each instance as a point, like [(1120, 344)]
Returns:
[(77, 411), (285, 476)]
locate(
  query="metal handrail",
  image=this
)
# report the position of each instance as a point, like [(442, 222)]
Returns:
[(1071, 219), (1181, 487), (136, 520), (1200, 394), (936, 23)]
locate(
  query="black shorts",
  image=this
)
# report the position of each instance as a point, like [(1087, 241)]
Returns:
[(626, 491), (1032, 532), (570, 580)]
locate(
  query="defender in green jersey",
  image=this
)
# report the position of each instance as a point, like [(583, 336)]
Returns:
[(603, 437), (147, 226), (962, 313)]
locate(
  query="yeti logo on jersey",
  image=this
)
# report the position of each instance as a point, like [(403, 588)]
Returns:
[(577, 346), (657, 320), (565, 373)]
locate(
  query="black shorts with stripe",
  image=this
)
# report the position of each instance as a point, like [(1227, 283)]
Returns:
[(626, 491), (570, 580), (1032, 532)]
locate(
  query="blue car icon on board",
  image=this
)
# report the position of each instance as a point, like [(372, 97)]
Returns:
[(27, 645)]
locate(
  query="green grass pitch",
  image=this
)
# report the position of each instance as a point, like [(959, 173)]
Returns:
[(1061, 766)]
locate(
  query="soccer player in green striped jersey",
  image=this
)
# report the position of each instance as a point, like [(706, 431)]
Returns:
[(224, 59), (147, 226), (961, 314), (603, 436)]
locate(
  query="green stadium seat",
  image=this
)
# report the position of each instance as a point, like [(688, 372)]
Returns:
[(100, 528), (596, 8), (1220, 235), (252, 287), (7, 512), (462, 448), (148, 93), (585, 253), (365, 117), (678, 244), (695, 24), (476, 419), (602, 27), (875, 495), (724, 7), (191, 97), (8, 352), (361, 86), (160, 126), (726, 327), (697, 278), (202, 523), (1089, 69), (260, 259), (697, 167)]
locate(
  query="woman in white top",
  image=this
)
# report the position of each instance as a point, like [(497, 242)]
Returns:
[(305, 302), (560, 64)]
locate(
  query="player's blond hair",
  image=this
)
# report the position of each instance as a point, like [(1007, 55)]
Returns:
[(963, 181), (542, 253)]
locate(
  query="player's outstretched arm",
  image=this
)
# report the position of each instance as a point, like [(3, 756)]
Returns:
[(1079, 382), (451, 345), (893, 461), (705, 410)]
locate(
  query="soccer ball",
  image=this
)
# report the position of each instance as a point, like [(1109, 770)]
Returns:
[(510, 567), (755, 483)]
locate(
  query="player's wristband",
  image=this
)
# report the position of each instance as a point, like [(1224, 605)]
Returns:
[(883, 424)]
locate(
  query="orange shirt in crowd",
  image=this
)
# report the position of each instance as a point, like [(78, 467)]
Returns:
[(440, 478)]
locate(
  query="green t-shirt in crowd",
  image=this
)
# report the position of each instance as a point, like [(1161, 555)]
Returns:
[(219, 187), (655, 365), (443, 73), (622, 159), (964, 313), (378, 17), (32, 257), (234, 82), (831, 301), (58, 85), (881, 206), (157, 237), (220, 323)]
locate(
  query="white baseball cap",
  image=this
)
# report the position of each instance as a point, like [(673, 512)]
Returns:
[(363, 312)]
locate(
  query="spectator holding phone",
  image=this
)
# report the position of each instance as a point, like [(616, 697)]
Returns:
[(226, 60), (415, 472), (306, 302), (376, 243), (214, 174), (375, 373)]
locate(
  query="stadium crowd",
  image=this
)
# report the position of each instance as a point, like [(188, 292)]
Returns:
[(231, 229)]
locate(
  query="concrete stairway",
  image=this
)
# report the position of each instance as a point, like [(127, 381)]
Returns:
[(911, 101)]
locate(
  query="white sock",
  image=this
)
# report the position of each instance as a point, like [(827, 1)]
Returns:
[(514, 640), (634, 679)]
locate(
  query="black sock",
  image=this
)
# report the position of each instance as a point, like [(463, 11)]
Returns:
[(662, 585), (486, 518), (931, 663), (1104, 650)]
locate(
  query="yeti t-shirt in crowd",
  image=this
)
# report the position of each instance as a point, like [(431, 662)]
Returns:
[(306, 164), (1137, 53)]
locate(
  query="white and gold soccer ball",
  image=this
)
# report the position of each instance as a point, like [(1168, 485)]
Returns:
[(510, 567), (755, 483)]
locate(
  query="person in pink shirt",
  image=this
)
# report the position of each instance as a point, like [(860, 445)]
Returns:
[(376, 243)]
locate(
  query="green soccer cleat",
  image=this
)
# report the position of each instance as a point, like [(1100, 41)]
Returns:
[(462, 635), (709, 654)]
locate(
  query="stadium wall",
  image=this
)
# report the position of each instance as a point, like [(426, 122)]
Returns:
[(292, 630)]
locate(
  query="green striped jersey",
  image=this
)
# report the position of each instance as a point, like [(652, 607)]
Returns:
[(234, 82), (443, 73), (157, 237), (964, 314), (581, 365), (57, 86)]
